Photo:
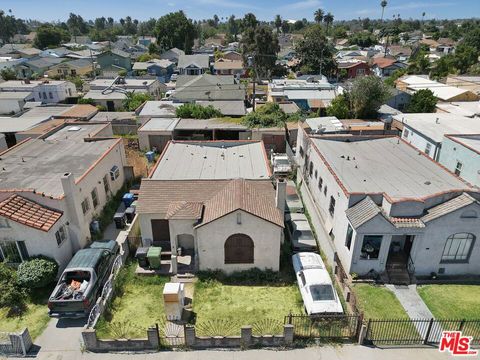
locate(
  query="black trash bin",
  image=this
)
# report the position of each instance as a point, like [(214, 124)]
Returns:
[(141, 256), (130, 214), (119, 219)]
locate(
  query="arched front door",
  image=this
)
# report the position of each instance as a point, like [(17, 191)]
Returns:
[(239, 249)]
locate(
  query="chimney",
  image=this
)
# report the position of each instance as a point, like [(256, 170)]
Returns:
[(281, 194), (74, 210)]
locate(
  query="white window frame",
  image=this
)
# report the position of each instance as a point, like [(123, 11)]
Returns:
[(463, 244), (61, 234)]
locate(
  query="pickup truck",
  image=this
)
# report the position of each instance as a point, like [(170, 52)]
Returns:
[(82, 280)]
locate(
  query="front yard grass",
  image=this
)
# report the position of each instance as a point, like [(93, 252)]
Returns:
[(262, 306), (452, 301), (377, 302), (35, 317), (137, 305)]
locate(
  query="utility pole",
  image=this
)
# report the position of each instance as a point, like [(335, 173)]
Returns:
[(252, 62)]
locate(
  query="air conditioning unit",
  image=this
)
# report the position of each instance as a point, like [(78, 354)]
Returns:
[(114, 173)]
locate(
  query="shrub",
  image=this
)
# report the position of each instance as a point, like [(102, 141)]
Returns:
[(195, 111), (268, 115), (11, 296), (37, 272)]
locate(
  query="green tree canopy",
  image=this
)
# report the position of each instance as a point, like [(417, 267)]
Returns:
[(195, 111), (134, 100), (368, 93), (339, 107), (315, 52), (260, 44), (175, 30), (423, 101), (50, 36)]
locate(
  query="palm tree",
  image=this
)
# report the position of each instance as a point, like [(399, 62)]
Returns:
[(328, 19), (383, 4), (319, 14), (423, 16), (278, 23)]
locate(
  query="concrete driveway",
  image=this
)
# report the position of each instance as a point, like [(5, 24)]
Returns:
[(61, 338)]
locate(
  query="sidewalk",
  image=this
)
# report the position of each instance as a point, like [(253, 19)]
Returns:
[(346, 352)]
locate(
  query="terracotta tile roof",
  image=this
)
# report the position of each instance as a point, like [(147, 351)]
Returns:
[(156, 196), (362, 212), (384, 62), (27, 212), (81, 111), (184, 210), (448, 207), (400, 222), (239, 194)]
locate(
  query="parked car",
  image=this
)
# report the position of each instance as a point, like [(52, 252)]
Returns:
[(294, 203), (318, 294), (301, 234), (82, 280), (281, 164)]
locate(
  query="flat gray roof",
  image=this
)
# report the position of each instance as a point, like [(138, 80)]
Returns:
[(160, 124), (39, 164), (113, 115), (14, 95), (213, 160), (159, 109), (471, 141), (31, 118), (436, 125), (386, 165)]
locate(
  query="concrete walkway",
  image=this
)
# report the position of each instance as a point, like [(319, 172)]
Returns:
[(347, 352), (411, 301)]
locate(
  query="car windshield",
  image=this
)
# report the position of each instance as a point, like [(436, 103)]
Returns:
[(304, 235), (322, 292)]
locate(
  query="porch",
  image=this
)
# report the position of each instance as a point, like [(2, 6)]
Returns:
[(399, 268)]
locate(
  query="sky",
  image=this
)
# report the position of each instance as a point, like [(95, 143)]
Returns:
[(48, 10)]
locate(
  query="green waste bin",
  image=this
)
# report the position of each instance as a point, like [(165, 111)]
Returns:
[(153, 256)]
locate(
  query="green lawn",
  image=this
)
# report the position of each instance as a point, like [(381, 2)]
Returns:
[(138, 304), (35, 317), (225, 308), (377, 302), (452, 301)]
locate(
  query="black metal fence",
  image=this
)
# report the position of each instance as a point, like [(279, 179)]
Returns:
[(418, 331), (344, 327)]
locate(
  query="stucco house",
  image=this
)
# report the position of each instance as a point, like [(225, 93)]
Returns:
[(215, 200), (229, 67), (78, 67), (461, 155), (163, 69), (114, 60), (36, 66), (193, 64), (381, 207), (173, 55), (49, 194)]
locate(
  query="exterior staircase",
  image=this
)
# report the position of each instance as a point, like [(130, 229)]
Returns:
[(398, 274)]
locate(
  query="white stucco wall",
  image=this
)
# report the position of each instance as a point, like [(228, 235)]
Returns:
[(420, 141), (10, 106), (40, 242), (265, 235)]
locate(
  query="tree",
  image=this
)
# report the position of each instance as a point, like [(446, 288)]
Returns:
[(423, 101), (134, 100), (423, 16), (472, 38), (249, 21), (12, 296), (328, 20), (48, 36), (8, 74), (268, 115), (175, 30), (339, 107), (368, 93), (315, 53), (216, 21), (7, 27), (261, 45), (318, 16), (285, 27), (383, 4), (37, 272), (233, 26), (76, 25), (278, 23)]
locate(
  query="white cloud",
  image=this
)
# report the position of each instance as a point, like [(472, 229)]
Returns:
[(302, 5)]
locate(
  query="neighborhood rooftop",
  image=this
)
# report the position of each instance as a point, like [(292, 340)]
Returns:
[(386, 165), (436, 125), (38, 164), (213, 160)]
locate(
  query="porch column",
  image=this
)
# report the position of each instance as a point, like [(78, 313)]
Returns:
[(383, 256)]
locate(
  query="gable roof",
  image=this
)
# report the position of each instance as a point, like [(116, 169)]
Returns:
[(362, 212), (383, 62), (184, 210), (239, 194), (28, 212), (200, 60), (156, 196), (448, 207)]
